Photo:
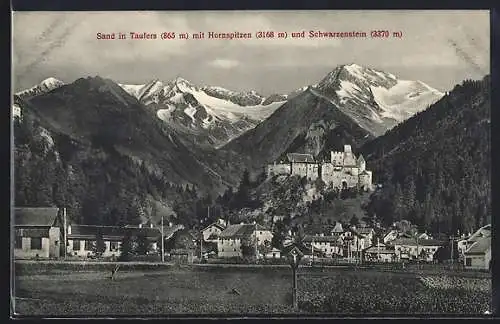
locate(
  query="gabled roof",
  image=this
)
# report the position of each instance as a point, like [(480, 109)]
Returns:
[(35, 216), (365, 230), (361, 158), (169, 231), (237, 231), (484, 231), (338, 228), (382, 248), (300, 158), (90, 231), (413, 242), (481, 246), (215, 224), (318, 238), (259, 227), (78, 231)]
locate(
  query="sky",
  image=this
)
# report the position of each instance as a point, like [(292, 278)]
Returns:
[(440, 48)]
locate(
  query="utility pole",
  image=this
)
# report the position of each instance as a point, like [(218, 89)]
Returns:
[(64, 232), (256, 246), (312, 252), (378, 250), (418, 255), (162, 242)]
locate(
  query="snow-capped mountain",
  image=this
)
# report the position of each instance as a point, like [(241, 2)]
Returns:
[(376, 100), (213, 115), (350, 105), (43, 87)]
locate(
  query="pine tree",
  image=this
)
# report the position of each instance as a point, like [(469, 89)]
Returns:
[(100, 246), (398, 204)]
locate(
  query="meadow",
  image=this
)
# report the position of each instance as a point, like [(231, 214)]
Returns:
[(230, 291)]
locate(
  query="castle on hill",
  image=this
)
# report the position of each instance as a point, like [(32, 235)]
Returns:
[(343, 170)]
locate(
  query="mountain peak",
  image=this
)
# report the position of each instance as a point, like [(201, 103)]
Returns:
[(46, 85)]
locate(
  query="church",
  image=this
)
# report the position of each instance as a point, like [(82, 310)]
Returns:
[(344, 170)]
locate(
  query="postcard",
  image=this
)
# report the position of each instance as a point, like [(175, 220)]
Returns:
[(251, 163)]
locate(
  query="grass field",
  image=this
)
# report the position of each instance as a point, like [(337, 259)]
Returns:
[(212, 290)]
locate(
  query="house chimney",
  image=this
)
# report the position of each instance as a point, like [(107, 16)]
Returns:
[(140, 225), (69, 229), (169, 224), (151, 225)]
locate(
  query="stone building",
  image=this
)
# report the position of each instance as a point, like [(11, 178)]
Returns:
[(37, 232), (344, 170)]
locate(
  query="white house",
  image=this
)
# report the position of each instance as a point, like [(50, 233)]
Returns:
[(36, 233), (83, 238), (273, 254), (212, 231), (263, 234), (231, 239), (411, 249), (380, 253), (329, 245), (478, 255)]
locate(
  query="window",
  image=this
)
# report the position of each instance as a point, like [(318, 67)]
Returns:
[(468, 262), (89, 245), (234, 250), (113, 246), (19, 242), (36, 243), (76, 245)]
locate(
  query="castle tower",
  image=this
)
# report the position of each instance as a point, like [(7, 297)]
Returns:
[(361, 163)]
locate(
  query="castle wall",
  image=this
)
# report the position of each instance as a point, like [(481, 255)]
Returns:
[(281, 168), (299, 169), (312, 171), (362, 166), (337, 158), (365, 180), (349, 159), (335, 175)]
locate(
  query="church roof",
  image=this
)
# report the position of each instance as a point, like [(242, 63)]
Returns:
[(300, 158), (338, 228)]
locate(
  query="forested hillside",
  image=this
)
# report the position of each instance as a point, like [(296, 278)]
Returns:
[(435, 167)]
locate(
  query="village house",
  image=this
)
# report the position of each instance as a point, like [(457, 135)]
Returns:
[(478, 255), (263, 234), (355, 242), (390, 236), (275, 253), (83, 238), (37, 233), (212, 231), (330, 245), (413, 249), (233, 237), (482, 232), (380, 253)]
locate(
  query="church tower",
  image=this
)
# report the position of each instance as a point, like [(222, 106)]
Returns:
[(361, 163)]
